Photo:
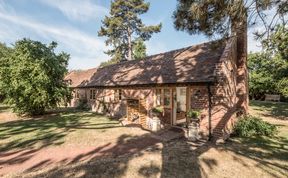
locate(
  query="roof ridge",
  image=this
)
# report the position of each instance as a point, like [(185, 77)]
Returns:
[(153, 55)]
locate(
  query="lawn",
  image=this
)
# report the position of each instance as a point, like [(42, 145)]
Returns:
[(83, 144)]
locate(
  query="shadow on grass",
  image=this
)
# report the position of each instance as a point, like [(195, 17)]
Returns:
[(278, 110), (180, 158), (25, 137), (4, 108), (270, 153)]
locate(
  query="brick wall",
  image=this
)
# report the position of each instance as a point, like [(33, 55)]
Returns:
[(224, 100), (105, 103)]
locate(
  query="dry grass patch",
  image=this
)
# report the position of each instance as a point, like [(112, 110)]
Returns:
[(96, 146)]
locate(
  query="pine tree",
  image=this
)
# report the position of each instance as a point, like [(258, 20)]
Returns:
[(229, 18), (139, 50), (123, 26), (221, 17)]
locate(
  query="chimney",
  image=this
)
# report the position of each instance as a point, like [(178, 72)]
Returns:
[(239, 29)]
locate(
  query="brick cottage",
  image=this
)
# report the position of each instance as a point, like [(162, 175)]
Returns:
[(206, 77)]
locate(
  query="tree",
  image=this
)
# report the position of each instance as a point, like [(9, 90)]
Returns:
[(34, 80), (277, 49), (139, 50), (4, 53), (226, 18), (123, 26), (278, 42), (261, 79), (223, 17), (268, 69)]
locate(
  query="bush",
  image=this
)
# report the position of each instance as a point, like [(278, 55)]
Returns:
[(193, 114), (83, 104), (254, 126), (157, 111)]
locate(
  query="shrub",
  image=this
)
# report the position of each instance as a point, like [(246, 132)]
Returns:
[(83, 104), (157, 110), (254, 126), (193, 114)]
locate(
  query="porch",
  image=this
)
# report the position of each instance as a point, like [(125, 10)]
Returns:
[(175, 101)]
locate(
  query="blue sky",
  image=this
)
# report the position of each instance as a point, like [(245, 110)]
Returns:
[(73, 24)]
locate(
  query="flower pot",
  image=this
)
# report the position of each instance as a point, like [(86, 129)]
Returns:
[(193, 131), (155, 124)]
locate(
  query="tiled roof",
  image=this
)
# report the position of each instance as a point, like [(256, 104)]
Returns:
[(193, 64), (79, 77)]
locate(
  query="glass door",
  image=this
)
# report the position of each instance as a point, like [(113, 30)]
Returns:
[(180, 105)]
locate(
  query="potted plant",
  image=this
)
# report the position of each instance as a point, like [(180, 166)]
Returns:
[(193, 127), (156, 112), (193, 116)]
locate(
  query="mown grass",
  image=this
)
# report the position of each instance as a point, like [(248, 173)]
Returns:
[(238, 157), (56, 128), (278, 110), (270, 152)]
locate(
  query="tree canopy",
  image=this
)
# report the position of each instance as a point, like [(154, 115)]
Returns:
[(139, 49), (123, 27), (218, 17), (34, 77), (268, 69), (4, 52)]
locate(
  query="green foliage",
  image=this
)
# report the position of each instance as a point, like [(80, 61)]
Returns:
[(254, 126), (34, 76), (214, 18), (139, 50), (123, 26), (109, 62), (158, 110), (4, 53), (268, 70), (193, 114), (83, 104), (278, 42), (261, 79)]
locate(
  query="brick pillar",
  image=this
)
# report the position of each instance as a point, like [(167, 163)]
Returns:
[(240, 30)]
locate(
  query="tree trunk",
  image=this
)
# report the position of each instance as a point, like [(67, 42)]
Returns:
[(129, 57), (239, 29)]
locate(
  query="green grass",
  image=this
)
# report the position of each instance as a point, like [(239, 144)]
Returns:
[(273, 109), (4, 108), (242, 157), (56, 128), (270, 152)]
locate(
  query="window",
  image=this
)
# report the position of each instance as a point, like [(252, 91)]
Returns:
[(117, 95), (158, 97), (92, 94), (163, 97), (167, 98)]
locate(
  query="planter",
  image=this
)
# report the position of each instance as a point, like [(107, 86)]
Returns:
[(155, 124), (193, 130)]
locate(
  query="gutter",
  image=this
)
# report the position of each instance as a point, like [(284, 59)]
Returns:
[(209, 111), (208, 82)]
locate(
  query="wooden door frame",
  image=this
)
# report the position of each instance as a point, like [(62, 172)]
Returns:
[(174, 103)]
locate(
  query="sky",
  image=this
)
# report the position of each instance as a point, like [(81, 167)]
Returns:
[(74, 24)]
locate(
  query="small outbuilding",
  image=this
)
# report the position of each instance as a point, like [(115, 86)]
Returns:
[(201, 77)]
